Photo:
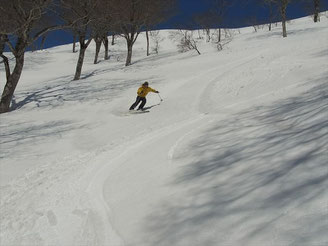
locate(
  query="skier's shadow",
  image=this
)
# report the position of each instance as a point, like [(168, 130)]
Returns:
[(149, 107)]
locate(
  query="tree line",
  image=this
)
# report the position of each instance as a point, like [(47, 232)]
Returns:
[(23, 22), (216, 15)]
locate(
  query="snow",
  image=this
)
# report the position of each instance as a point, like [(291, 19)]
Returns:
[(235, 154)]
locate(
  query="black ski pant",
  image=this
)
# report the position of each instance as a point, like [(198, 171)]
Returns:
[(138, 100)]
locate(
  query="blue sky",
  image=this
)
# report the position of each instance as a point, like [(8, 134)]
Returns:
[(236, 16)]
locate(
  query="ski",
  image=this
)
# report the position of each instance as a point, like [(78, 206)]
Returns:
[(138, 111)]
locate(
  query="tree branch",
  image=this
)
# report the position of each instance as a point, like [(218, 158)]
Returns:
[(6, 63), (44, 31), (11, 47)]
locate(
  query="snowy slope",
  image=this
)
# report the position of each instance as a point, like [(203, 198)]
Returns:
[(236, 154)]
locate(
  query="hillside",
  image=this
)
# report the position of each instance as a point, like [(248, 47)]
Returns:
[(235, 154)]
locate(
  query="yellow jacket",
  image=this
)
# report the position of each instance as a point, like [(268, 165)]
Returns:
[(143, 91)]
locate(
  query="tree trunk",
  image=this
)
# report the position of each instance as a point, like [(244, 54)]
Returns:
[(197, 50), (74, 43), (219, 34), (105, 41), (83, 47), (113, 39), (270, 16), (316, 10), (130, 40), (208, 35), (43, 40), (7, 67), (129, 55), (283, 16), (147, 37), (79, 63), (98, 45), (12, 81), (3, 39)]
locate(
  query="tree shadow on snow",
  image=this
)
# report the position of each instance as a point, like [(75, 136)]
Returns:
[(251, 178), (63, 90), (23, 133), (277, 33)]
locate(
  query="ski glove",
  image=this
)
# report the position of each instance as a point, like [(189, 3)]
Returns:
[(157, 92)]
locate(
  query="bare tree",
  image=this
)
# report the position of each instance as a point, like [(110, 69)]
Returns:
[(80, 14), (214, 16), (74, 41), (205, 21), (316, 4), (186, 41), (313, 7), (22, 22), (99, 40), (282, 5), (157, 11), (132, 16), (129, 20), (218, 11), (217, 40), (156, 37), (253, 21), (272, 12), (101, 26), (283, 8)]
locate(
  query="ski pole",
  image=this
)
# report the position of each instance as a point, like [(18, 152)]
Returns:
[(160, 97)]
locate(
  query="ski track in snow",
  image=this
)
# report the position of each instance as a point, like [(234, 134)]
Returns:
[(96, 185), (100, 197)]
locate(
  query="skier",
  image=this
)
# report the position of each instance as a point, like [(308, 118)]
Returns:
[(142, 93)]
